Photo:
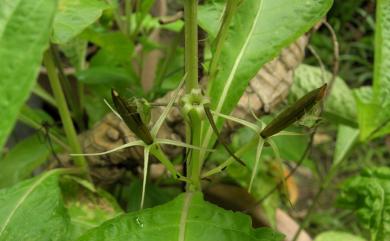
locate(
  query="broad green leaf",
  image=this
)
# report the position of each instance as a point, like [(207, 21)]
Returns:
[(188, 217), (73, 16), (346, 138), (75, 50), (24, 34), (340, 106), (259, 30), (22, 160), (113, 43), (368, 195), (33, 210), (337, 236), (105, 75), (87, 208), (374, 112)]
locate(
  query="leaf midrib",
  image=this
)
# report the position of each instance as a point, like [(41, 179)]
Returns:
[(23, 198)]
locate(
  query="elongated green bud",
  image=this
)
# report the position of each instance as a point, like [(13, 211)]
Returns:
[(132, 118), (294, 112)]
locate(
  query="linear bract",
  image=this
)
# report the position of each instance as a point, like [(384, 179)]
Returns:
[(132, 118), (294, 112)]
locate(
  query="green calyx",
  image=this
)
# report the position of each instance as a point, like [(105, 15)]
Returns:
[(194, 102)]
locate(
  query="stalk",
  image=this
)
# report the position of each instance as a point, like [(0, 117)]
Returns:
[(193, 125), (191, 44), (63, 110), (195, 166)]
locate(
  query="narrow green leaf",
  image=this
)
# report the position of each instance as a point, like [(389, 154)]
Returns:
[(24, 158), (346, 138), (33, 210), (24, 34), (73, 16), (188, 217), (337, 236)]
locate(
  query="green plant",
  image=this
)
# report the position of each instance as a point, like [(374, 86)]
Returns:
[(243, 36)]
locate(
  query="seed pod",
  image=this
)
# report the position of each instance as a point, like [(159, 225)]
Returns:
[(294, 112), (131, 117)]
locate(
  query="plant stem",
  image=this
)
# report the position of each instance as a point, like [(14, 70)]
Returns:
[(67, 88), (191, 44), (195, 165), (193, 125), (63, 110)]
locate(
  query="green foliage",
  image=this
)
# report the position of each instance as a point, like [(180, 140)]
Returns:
[(73, 16), (24, 34), (374, 105), (33, 210), (154, 196), (259, 30), (346, 139), (337, 236), (369, 195), (22, 160), (188, 217), (87, 207)]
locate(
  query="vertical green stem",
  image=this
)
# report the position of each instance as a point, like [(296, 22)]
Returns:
[(191, 44), (63, 109), (195, 164), (193, 127)]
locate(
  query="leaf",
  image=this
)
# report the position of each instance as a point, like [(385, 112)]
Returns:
[(73, 16), (381, 85), (87, 208), (374, 111), (340, 106), (75, 51), (24, 34), (259, 30), (188, 217), (154, 195), (22, 160), (346, 138), (33, 210), (372, 116), (114, 43), (368, 195), (337, 236)]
